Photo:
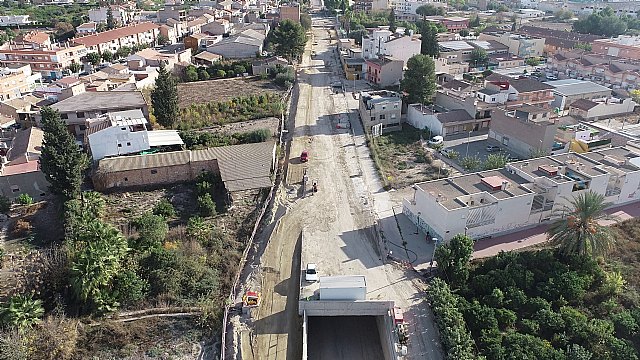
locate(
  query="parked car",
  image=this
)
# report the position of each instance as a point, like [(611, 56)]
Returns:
[(436, 140), (551, 77), (304, 157), (447, 152), (311, 274), (493, 148)]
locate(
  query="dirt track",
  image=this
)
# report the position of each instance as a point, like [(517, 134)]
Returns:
[(336, 222)]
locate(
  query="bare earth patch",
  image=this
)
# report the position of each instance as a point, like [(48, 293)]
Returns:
[(223, 89)]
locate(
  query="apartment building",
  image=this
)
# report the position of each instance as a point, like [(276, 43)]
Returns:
[(452, 24), (368, 6), (568, 91), (13, 20), (381, 107), (525, 46), (290, 11), (525, 130), (624, 46), (557, 40), (523, 193), (455, 51), (121, 14), (383, 42), (16, 80), (144, 33), (445, 123), (410, 6), (521, 91), (48, 61)]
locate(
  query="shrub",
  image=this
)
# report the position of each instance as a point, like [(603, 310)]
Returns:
[(152, 230), (206, 205), (470, 163), (25, 199), (164, 208), (22, 228), (5, 204), (625, 325)]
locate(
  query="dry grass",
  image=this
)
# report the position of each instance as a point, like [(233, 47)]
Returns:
[(200, 92), (626, 256)]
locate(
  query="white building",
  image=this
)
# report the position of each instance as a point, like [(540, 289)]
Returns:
[(120, 14), (11, 20), (522, 194), (530, 13), (125, 132), (410, 6), (383, 42)]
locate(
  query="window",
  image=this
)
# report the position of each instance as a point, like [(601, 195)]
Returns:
[(123, 128), (373, 118), (126, 179), (15, 188), (80, 114), (154, 171), (393, 116), (64, 116), (119, 145), (128, 144), (382, 117)]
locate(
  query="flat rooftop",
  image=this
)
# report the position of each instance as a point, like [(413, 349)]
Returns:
[(449, 190), (621, 159), (101, 100), (580, 164), (571, 87)]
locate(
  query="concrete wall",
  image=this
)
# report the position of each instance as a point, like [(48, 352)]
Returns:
[(33, 183), (387, 336), (305, 332), (603, 111), (344, 308), (519, 135)]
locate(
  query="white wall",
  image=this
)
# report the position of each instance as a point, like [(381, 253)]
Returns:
[(420, 120)]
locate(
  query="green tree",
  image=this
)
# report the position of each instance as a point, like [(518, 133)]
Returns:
[(93, 203), (5, 204), (164, 208), (495, 161), (479, 57), (74, 67), (453, 259), (107, 56), (533, 61), (584, 46), (305, 21), (93, 58), (635, 95), (164, 98), (21, 312), (475, 22), (392, 21), (605, 23), (419, 80), (429, 10), (429, 41), (162, 40), (221, 73), (111, 22), (580, 232), (61, 161), (464, 33), (206, 205), (123, 52), (152, 230), (288, 39), (199, 229)]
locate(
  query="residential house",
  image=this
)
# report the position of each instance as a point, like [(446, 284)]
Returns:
[(34, 39), (409, 7), (596, 109), (624, 46), (16, 80), (445, 123), (290, 11), (525, 46), (368, 6), (217, 27), (505, 61), (455, 51), (606, 70), (262, 66), (170, 33), (87, 28), (206, 58), (568, 91), (195, 26), (121, 14), (384, 71), (353, 67), (521, 91), (531, 192), (524, 130), (383, 42), (20, 167), (13, 20), (381, 107), (89, 105), (151, 57), (172, 12), (201, 41), (246, 44), (61, 89), (557, 40), (144, 33), (530, 14), (23, 110), (456, 94), (125, 132), (241, 168)]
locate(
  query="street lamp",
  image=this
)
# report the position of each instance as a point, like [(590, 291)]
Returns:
[(418, 223), (468, 140), (433, 254)]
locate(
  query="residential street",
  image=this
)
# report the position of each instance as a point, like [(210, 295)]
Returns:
[(337, 221)]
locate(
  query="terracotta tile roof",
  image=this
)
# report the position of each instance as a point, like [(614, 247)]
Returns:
[(107, 36), (36, 37), (26, 141)]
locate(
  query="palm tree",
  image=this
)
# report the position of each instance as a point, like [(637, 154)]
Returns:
[(21, 312), (580, 232)]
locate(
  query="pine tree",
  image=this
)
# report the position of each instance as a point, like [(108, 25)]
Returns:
[(429, 44), (392, 21), (61, 161), (419, 80), (164, 98), (111, 22), (288, 39)]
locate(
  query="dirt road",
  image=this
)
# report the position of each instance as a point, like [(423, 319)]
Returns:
[(336, 221)]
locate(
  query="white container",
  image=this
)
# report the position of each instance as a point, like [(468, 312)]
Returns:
[(352, 287)]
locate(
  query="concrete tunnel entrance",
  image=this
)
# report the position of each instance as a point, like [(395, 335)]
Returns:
[(344, 338)]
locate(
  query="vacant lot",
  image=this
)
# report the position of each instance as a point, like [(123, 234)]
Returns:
[(402, 160), (222, 90)]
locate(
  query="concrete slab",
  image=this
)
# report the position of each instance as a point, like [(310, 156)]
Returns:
[(344, 338)]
